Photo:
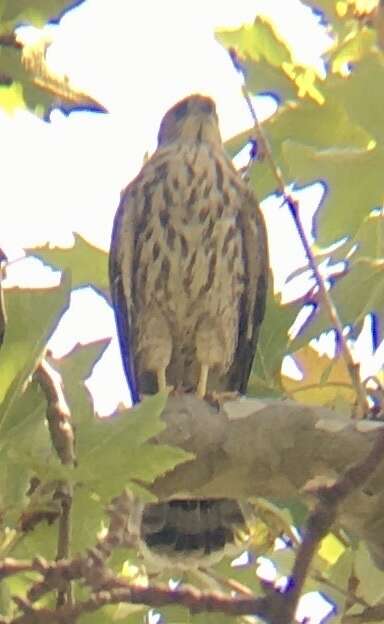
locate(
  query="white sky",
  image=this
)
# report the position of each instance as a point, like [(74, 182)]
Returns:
[(137, 59)]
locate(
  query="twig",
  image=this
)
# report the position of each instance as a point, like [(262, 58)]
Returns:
[(10, 40), (348, 594), (63, 439), (10, 567), (157, 596), (322, 517), (353, 367), (64, 595), (58, 414), (370, 614), (292, 204)]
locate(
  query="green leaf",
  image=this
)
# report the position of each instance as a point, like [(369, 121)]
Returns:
[(75, 368), (326, 126), (11, 98), (88, 264), (370, 239), (334, 20), (356, 294), (24, 440), (353, 49), (88, 516), (267, 61), (32, 316), (42, 540), (366, 78), (264, 78), (272, 346), (361, 290), (338, 575), (328, 7), (353, 179), (371, 579), (114, 452), (37, 13), (27, 80), (262, 180), (26, 451), (22, 92), (322, 127), (257, 41), (5, 598)]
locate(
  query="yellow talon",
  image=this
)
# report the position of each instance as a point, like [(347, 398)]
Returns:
[(201, 390)]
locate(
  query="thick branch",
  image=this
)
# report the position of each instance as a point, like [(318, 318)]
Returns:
[(273, 449)]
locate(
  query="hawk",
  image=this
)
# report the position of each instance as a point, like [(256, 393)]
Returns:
[(188, 262)]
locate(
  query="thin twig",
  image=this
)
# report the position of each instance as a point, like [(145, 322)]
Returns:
[(353, 368), (160, 595), (370, 614), (64, 595), (63, 440), (58, 413), (348, 595)]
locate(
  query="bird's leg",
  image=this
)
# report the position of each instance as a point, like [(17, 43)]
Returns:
[(210, 349), (201, 390), (155, 345), (162, 380)]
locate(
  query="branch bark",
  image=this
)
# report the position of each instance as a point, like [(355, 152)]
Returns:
[(274, 449)]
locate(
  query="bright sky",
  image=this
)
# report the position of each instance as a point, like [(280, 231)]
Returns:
[(137, 59)]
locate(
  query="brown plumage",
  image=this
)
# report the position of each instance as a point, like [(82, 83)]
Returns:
[(188, 262)]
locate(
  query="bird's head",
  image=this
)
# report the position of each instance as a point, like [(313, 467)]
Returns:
[(193, 119)]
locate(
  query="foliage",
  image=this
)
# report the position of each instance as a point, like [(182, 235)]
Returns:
[(328, 128), (26, 80), (329, 132)]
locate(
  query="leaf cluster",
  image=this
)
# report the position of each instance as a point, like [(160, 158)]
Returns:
[(328, 128), (26, 79)]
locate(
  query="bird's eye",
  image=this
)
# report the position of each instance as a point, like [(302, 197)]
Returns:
[(180, 110)]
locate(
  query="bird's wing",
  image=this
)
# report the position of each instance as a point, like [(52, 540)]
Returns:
[(255, 246), (120, 277)]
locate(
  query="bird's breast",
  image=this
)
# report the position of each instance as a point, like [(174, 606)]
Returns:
[(189, 244)]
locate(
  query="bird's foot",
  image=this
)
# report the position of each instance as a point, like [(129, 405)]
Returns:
[(179, 390), (162, 382), (217, 399)]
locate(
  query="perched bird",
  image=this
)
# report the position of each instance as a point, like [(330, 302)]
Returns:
[(188, 262)]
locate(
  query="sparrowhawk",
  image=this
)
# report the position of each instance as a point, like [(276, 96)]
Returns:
[(188, 262)]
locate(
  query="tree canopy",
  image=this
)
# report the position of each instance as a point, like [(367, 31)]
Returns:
[(65, 551)]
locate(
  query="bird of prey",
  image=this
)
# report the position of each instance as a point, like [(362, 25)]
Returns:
[(188, 262)]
